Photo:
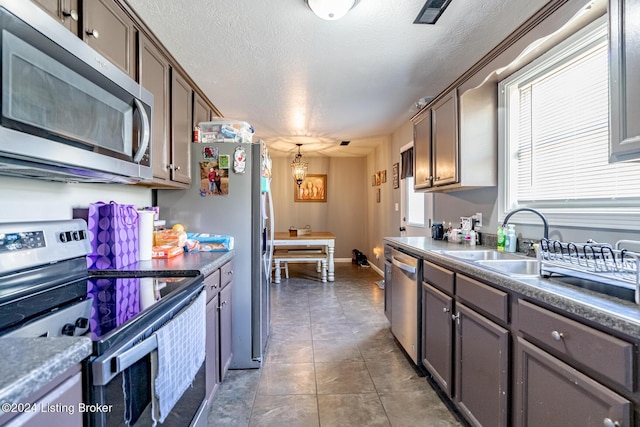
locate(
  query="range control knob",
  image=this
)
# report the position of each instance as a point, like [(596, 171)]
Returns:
[(68, 329), (82, 322)]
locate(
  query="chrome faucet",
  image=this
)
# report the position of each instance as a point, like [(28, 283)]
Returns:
[(544, 220)]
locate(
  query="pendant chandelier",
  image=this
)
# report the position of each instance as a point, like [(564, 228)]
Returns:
[(299, 168)]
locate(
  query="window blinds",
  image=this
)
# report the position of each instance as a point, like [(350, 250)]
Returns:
[(561, 139)]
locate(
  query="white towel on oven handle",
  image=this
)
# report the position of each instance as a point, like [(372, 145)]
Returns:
[(181, 351)]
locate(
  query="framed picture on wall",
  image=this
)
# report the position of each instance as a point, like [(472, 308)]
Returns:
[(378, 178), (383, 176), (378, 195), (396, 180), (373, 180), (312, 189)]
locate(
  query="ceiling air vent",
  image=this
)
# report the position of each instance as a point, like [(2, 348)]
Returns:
[(431, 11), (345, 143)]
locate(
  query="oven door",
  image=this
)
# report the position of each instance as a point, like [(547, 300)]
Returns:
[(120, 381), (58, 108)]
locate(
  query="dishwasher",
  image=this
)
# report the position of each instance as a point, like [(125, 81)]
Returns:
[(405, 302)]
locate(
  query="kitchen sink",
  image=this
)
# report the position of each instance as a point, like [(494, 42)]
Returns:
[(512, 267), (489, 254)]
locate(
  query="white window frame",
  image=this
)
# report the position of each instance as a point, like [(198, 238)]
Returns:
[(405, 199), (579, 215)]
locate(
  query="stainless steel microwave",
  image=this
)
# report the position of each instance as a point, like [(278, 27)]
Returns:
[(68, 114)]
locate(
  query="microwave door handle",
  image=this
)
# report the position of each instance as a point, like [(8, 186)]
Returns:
[(145, 131)]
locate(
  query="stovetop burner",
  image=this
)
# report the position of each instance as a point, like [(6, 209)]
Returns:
[(46, 289)]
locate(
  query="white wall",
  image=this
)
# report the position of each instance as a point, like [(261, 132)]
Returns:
[(33, 200)]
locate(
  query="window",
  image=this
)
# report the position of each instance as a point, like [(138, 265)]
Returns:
[(412, 202), (415, 204), (555, 138)]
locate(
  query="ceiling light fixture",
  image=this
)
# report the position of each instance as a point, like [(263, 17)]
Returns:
[(299, 168), (331, 10)]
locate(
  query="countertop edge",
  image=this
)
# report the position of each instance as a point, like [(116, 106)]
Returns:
[(608, 312), (29, 365)]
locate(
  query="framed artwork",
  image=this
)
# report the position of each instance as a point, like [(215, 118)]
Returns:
[(378, 195), (373, 180), (378, 178), (312, 189), (383, 176), (396, 180)]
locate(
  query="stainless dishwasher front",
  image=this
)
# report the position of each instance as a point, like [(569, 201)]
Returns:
[(405, 302)]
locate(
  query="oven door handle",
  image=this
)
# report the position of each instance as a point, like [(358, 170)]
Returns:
[(106, 368)]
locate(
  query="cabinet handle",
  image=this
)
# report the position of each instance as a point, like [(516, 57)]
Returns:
[(429, 178), (176, 168), (73, 14), (230, 273), (608, 422), (93, 33), (456, 317), (557, 336), (437, 178), (445, 309), (223, 303)]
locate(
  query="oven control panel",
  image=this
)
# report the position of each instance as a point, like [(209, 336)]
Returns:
[(31, 244), (21, 241)]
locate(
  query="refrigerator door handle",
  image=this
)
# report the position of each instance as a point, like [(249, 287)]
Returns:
[(271, 232)]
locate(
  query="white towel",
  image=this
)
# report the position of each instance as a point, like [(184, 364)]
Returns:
[(181, 351)]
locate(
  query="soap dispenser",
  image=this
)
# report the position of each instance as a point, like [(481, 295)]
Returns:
[(501, 239), (511, 238)]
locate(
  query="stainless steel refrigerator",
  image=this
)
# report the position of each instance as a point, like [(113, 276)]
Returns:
[(229, 195)]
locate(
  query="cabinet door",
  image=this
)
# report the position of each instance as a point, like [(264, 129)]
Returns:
[(64, 11), (552, 393), (445, 140), (111, 32), (201, 111), (181, 130), (624, 39), (155, 77), (212, 371), (226, 326), (422, 152), (481, 368), (437, 339)]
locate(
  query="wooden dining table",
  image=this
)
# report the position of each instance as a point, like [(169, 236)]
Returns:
[(313, 239)]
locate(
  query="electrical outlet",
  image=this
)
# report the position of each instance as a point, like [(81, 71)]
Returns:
[(478, 218)]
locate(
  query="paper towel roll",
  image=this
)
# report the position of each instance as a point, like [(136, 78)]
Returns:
[(148, 295), (145, 234)]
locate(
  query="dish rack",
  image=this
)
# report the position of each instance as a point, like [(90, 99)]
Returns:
[(599, 262)]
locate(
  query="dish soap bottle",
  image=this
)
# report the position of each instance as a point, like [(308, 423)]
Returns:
[(501, 239), (511, 238)]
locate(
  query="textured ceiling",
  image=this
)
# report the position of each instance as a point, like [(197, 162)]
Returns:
[(297, 78)]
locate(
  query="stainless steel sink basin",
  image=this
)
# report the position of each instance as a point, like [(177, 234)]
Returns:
[(512, 267), (474, 255)]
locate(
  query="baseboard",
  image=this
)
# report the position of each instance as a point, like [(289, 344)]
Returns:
[(377, 270)]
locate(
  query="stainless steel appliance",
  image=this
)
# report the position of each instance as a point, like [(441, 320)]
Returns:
[(244, 211), (405, 301), (67, 113), (388, 281), (46, 291)]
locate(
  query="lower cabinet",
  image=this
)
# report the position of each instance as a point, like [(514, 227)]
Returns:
[(466, 352), (212, 370), (219, 350), (549, 392), (481, 369), (226, 348), (437, 336), (54, 405)]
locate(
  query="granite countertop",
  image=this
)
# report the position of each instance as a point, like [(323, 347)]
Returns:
[(609, 312), (31, 363)]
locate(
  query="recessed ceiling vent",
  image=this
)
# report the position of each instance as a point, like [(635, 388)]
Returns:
[(345, 143), (431, 11)]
